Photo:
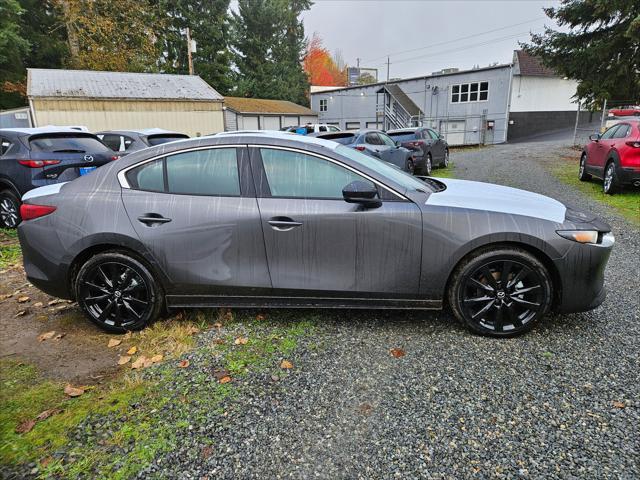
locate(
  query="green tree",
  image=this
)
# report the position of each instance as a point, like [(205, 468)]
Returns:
[(208, 21), (601, 50), (269, 45), (13, 47)]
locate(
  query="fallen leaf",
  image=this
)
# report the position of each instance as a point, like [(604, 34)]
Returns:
[(260, 317), (140, 362), (5, 296), (47, 413), (21, 313), (124, 359), (25, 426), (126, 336), (206, 452), (225, 379), (147, 363), (54, 302), (218, 341), (286, 364), (397, 352), (156, 358), (46, 336), (192, 329), (219, 374), (241, 341), (46, 461), (183, 364), (23, 299), (38, 304), (132, 350), (60, 336), (73, 391), (618, 404), (114, 342)]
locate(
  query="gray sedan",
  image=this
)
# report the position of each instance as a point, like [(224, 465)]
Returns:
[(275, 220)]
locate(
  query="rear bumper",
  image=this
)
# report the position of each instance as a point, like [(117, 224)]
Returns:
[(581, 273), (628, 175)]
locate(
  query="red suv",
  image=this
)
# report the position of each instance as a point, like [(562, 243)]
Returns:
[(613, 156)]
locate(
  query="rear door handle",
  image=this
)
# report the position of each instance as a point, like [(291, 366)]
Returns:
[(152, 218), (283, 224)]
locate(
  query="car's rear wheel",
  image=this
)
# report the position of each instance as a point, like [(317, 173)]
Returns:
[(9, 209), (428, 164), (610, 184), (500, 292), (582, 173), (410, 167), (118, 292)]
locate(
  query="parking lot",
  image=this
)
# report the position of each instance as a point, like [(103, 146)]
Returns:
[(372, 394)]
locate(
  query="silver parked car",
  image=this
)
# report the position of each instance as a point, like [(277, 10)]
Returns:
[(275, 220), (128, 141)]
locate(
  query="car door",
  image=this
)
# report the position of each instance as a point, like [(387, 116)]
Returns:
[(197, 214), (599, 150), (317, 242), (394, 154), (437, 145)]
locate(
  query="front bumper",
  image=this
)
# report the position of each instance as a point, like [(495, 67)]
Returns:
[(581, 273)]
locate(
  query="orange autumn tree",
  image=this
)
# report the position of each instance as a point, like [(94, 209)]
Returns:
[(320, 67)]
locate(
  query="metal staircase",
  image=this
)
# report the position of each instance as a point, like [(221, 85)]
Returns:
[(396, 110)]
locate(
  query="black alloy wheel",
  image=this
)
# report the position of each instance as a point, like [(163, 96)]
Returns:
[(610, 184), (118, 293), (428, 164), (411, 166), (582, 172), (9, 210), (501, 293), (445, 162)]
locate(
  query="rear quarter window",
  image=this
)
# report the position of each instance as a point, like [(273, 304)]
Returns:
[(67, 144)]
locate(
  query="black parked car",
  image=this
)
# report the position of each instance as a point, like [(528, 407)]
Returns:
[(36, 157), (127, 141), (427, 145), (377, 144)]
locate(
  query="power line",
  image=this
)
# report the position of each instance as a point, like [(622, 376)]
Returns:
[(454, 40)]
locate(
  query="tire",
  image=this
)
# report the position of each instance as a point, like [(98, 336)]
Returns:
[(428, 165), (9, 209), (118, 292), (610, 185), (582, 172), (480, 300), (410, 167), (445, 162)]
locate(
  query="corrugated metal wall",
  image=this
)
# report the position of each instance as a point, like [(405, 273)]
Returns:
[(192, 118)]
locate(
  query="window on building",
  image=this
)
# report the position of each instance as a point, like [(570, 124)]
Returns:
[(470, 92), (323, 104)]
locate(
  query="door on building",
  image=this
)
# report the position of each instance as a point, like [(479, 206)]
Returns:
[(453, 131), (271, 123), (250, 123)]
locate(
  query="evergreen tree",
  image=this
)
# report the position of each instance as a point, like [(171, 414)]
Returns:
[(208, 21), (601, 50), (13, 47), (269, 43)]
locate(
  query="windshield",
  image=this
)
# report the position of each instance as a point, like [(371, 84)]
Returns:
[(383, 168), (160, 139), (67, 144), (403, 136)]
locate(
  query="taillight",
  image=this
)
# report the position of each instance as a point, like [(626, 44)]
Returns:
[(360, 148), (38, 163), (29, 211), (115, 157), (633, 143), (416, 144)]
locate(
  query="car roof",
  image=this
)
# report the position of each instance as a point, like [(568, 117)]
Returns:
[(143, 131), (406, 130), (40, 130), (278, 135)]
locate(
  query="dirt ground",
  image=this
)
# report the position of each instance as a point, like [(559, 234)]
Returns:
[(76, 352)]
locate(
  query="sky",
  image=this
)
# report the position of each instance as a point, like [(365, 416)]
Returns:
[(423, 36)]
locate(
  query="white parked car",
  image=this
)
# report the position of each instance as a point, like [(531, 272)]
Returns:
[(311, 128)]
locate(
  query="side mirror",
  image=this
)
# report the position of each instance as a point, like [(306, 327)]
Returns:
[(594, 137), (364, 193), (398, 143)]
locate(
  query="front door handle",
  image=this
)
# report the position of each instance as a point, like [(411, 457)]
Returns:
[(283, 224), (150, 219)]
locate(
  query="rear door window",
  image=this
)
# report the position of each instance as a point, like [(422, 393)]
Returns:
[(160, 139), (67, 144), (622, 131), (372, 139), (610, 133), (113, 142), (5, 145), (386, 140), (433, 134)]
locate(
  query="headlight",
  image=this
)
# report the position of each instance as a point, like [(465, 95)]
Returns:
[(581, 236)]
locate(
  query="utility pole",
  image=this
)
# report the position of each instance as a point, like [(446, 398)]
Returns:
[(604, 114), (189, 51), (358, 63), (388, 63)]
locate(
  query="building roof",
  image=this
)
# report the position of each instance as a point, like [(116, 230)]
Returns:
[(422, 77), (260, 105), (526, 64), (51, 83)]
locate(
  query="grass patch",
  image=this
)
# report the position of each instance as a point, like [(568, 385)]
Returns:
[(10, 252), (627, 202), (444, 172), (113, 431)]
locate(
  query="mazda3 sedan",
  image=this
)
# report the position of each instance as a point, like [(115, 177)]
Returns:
[(257, 219)]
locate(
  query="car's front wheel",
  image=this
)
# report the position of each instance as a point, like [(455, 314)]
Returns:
[(582, 172), (500, 292), (9, 209), (428, 164), (118, 292), (410, 167)]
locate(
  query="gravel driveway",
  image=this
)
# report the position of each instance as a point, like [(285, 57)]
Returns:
[(560, 402)]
